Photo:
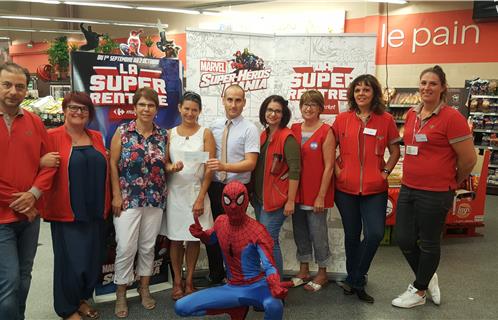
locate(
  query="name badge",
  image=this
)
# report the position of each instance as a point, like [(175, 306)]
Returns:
[(370, 131), (420, 137), (412, 150)]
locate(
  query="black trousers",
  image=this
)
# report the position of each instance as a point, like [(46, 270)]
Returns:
[(216, 268), (420, 219)]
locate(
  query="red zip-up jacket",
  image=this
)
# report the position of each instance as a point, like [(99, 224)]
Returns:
[(58, 199), (276, 184), (361, 154)]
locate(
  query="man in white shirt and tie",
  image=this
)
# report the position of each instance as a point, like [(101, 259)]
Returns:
[(237, 148)]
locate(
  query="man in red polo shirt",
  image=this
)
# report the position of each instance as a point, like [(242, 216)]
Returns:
[(23, 141)]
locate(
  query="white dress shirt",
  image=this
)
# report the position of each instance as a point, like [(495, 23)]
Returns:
[(243, 138)]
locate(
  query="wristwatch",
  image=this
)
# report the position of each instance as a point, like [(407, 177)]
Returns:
[(386, 171)]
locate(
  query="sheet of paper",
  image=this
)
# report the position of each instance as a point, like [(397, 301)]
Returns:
[(196, 156)]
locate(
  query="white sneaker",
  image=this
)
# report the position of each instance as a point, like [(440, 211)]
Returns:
[(434, 291), (409, 299)]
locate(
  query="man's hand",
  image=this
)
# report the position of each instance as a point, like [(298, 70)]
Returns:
[(196, 230), (25, 201), (215, 165), (50, 160), (276, 288)]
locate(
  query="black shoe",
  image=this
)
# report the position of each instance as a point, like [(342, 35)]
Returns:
[(363, 296), (347, 290)]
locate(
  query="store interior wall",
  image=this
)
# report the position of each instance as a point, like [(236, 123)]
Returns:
[(357, 13)]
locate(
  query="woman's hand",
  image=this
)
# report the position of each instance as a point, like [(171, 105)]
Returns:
[(50, 160), (176, 167), (198, 207), (384, 175), (289, 208), (117, 205), (319, 204)]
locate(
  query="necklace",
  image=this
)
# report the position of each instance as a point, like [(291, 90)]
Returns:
[(76, 140)]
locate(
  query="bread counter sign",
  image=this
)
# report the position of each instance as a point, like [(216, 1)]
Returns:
[(331, 81)]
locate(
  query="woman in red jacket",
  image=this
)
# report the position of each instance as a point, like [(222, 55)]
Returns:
[(77, 206), (276, 176), (363, 133), (315, 193)]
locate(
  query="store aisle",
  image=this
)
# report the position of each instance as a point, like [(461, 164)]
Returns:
[(467, 278)]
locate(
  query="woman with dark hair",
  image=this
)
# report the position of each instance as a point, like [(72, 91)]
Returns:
[(138, 176), (362, 134), (276, 176), (187, 190), (315, 193), (439, 156), (77, 206)]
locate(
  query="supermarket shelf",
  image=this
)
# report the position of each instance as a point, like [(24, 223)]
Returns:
[(486, 130), (492, 189), (399, 121), (477, 96), (486, 147), (493, 165), (484, 113)]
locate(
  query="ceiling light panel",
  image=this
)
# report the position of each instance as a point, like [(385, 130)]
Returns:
[(25, 18), (185, 11), (98, 4)]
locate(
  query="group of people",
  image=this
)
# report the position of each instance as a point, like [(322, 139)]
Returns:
[(180, 182)]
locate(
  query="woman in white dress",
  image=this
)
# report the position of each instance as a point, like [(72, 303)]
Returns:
[(190, 145)]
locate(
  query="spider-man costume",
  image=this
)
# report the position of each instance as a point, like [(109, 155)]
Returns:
[(253, 279)]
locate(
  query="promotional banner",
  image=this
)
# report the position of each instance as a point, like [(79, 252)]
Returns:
[(111, 81), (287, 65)]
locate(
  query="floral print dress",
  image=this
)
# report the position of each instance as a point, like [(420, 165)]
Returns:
[(142, 169)]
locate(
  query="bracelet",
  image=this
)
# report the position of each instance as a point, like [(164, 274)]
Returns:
[(386, 171)]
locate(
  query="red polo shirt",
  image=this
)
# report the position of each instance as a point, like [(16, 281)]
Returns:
[(434, 167)]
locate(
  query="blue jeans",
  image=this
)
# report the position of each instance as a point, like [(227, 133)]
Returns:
[(18, 243), (420, 219), (273, 222), (367, 213), (311, 234)]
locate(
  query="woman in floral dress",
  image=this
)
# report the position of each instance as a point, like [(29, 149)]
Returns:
[(138, 152)]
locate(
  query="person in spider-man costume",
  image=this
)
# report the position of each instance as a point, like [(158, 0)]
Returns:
[(247, 247)]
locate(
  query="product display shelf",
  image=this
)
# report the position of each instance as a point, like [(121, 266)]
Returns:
[(483, 107)]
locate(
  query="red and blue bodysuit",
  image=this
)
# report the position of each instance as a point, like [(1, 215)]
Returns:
[(253, 279)]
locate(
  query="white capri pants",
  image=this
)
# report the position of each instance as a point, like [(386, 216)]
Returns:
[(136, 228)]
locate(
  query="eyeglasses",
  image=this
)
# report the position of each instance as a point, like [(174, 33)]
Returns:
[(6, 85), (82, 109), (310, 105), (275, 111), (146, 105)]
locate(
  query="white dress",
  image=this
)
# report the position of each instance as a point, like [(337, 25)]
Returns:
[(183, 189)]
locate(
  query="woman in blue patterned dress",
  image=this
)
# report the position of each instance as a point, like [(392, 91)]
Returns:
[(138, 176)]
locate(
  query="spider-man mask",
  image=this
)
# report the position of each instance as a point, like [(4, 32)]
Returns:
[(235, 201)]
